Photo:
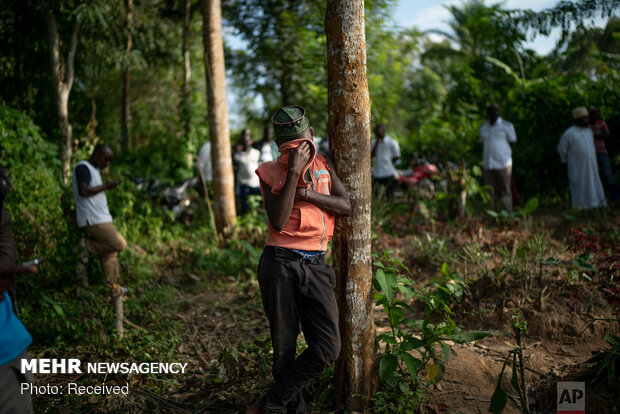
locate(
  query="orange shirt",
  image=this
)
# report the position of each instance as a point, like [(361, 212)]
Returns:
[(308, 227)]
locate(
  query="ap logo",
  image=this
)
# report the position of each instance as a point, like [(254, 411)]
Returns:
[(571, 398)]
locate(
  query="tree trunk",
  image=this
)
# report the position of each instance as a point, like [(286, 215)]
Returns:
[(187, 70), (223, 182), (125, 111), (349, 135), (62, 79), (91, 128)]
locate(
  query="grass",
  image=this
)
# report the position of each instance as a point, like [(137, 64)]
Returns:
[(169, 267)]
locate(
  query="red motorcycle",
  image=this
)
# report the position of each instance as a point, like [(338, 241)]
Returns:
[(419, 178)]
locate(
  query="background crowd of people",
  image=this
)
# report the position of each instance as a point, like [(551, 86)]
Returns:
[(588, 163)]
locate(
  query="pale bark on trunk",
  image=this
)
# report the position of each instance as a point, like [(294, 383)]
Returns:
[(221, 160), (125, 108), (349, 136), (62, 79), (91, 127), (187, 70)]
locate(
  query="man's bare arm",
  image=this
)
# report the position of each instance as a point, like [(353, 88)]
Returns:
[(279, 206), (86, 190), (336, 203)]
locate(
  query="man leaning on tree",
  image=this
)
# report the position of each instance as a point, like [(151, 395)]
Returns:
[(93, 215), (303, 195)]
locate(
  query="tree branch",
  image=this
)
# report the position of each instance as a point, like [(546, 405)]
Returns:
[(53, 42), (563, 14), (71, 56)]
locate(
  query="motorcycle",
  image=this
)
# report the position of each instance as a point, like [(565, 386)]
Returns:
[(419, 179), (176, 198)]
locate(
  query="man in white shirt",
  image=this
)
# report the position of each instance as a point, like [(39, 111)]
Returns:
[(267, 146), (577, 151), (247, 161), (204, 161), (498, 138), (321, 144), (93, 216), (385, 151)]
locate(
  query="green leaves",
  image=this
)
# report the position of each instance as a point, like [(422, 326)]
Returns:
[(551, 261), (413, 343), (387, 366), (607, 361), (464, 337), (410, 343), (386, 283), (413, 364), (499, 398), (583, 260), (530, 206)]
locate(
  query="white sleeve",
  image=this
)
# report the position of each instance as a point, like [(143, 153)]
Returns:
[(395, 149), (511, 134), (563, 147)]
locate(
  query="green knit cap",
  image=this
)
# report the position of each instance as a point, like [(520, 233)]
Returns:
[(290, 122)]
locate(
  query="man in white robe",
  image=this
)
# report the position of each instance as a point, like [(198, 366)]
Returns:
[(576, 149)]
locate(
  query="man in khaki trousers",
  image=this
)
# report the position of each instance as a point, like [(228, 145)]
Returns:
[(498, 138), (106, 242), (93, 216)]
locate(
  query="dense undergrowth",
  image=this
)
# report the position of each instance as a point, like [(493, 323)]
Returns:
[(165, 261)]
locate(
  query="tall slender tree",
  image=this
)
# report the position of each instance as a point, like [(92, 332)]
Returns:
[(125, 109), (349, 134), (221, 161), (63, 75), (187, 70)]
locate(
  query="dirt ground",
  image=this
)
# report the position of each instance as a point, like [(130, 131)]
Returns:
[(561, 335)]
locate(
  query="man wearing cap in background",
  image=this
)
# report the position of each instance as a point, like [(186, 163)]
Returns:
[(576, 149), (302, 196)]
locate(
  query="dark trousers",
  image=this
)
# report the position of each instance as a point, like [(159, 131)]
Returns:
[(385, 182), (244, 192), (607, 177), (12, 401), (297, 290), (500, 181)]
